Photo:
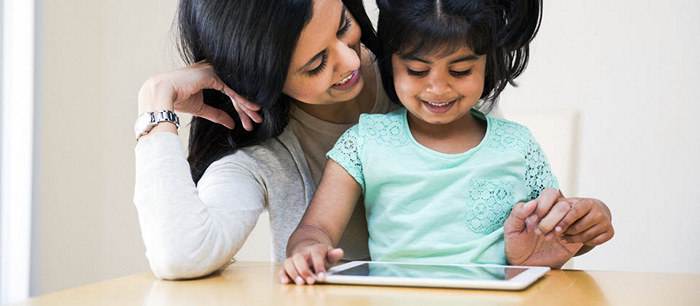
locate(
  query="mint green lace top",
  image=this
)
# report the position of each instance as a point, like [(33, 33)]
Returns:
[(426, 206)]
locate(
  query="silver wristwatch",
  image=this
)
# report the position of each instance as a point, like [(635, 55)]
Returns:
[(146, 121)]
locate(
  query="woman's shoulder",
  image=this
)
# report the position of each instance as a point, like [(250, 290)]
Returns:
[(280, 152)]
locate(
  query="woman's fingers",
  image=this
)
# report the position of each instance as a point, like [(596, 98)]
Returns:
[(215, 115), (595, 235)]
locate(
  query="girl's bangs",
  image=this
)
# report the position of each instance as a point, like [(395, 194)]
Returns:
[(441, 38)]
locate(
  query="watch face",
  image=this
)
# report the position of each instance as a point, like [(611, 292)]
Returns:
[(142, 123)]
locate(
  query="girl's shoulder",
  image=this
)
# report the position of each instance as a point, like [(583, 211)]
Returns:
[(378, 122), (387, 128), (506, 135)]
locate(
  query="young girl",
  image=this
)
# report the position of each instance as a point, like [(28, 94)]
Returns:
[(439, 177)]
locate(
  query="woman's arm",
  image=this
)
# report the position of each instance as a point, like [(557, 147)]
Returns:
[(311, 246), (191, 231)]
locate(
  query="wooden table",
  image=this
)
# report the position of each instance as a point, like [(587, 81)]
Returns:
[(255, 283)]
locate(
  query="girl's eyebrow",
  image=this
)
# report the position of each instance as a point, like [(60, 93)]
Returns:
[(320, 54), (468, 58)]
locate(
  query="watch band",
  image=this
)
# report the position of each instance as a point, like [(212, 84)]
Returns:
[(165, 115), (146, 121)]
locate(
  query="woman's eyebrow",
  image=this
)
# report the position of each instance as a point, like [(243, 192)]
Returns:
[(313, 59), (322, 53)]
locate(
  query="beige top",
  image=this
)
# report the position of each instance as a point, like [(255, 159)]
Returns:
[(316, 138)]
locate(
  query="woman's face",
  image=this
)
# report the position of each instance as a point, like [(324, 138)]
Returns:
[(325, 67)]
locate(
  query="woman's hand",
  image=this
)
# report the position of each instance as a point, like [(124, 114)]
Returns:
[(529, 239), (588, 221), (181, 90), (298, 266)]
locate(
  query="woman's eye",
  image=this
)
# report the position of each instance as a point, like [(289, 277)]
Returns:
[(320, 66), (346, 26), (417, 73), (461, 73)]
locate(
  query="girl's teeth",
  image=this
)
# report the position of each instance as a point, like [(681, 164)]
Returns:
[(437, 104)]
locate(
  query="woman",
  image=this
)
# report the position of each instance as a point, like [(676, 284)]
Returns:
[(302, 62)]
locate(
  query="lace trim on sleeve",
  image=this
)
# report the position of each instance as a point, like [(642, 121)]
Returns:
[(346, 153)]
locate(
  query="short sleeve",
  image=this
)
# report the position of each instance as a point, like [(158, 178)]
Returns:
[(538, 173), (346, 152)]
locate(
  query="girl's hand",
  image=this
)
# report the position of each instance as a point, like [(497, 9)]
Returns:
[(181, 90), (297, 267), (588, 221), (528, 240)]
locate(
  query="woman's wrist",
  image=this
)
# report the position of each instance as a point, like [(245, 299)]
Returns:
[(155, 94)]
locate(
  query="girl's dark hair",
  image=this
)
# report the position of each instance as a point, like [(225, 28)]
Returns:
[(250, 45), (502, 30)]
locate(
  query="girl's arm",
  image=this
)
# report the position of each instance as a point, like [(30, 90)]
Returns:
[(311, 246)]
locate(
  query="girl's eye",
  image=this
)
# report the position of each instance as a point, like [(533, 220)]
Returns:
[(345, 28), (417, 73), (320, 66), (461, 73)]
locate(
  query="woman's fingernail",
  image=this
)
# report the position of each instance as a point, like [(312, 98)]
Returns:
[(309, 280), (283, 280), (558, 229), (299, 280), (322, 276)]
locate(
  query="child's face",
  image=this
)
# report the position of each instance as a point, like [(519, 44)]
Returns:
[(439, 90)]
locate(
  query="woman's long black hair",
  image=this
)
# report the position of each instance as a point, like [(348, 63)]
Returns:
[(250, 45), (500, 29)]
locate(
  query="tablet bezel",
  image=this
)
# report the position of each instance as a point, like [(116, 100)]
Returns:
[(518, 282)]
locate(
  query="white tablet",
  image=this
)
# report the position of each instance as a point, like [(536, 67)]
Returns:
[(435, 275)]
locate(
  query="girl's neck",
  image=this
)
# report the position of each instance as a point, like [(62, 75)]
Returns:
[(455, 137), (348, 111)]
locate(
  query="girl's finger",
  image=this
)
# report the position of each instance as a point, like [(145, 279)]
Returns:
[(548, 197), (291, 272), (516, 222), (284, 279), (301, 263), (333, 256), (318, 260), (553, 217)]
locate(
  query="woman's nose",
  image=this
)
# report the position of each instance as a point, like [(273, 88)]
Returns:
[(348, 59)]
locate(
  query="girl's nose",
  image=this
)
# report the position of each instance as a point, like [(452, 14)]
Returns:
[(348, 59), (437, 84)]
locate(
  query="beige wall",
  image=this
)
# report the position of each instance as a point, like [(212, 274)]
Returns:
[(94, 56), (628, 68)]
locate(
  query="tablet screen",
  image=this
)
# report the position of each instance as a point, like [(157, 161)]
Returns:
[(432, 271)]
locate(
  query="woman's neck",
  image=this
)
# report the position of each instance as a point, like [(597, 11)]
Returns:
[(455, 137), (348, 111)]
